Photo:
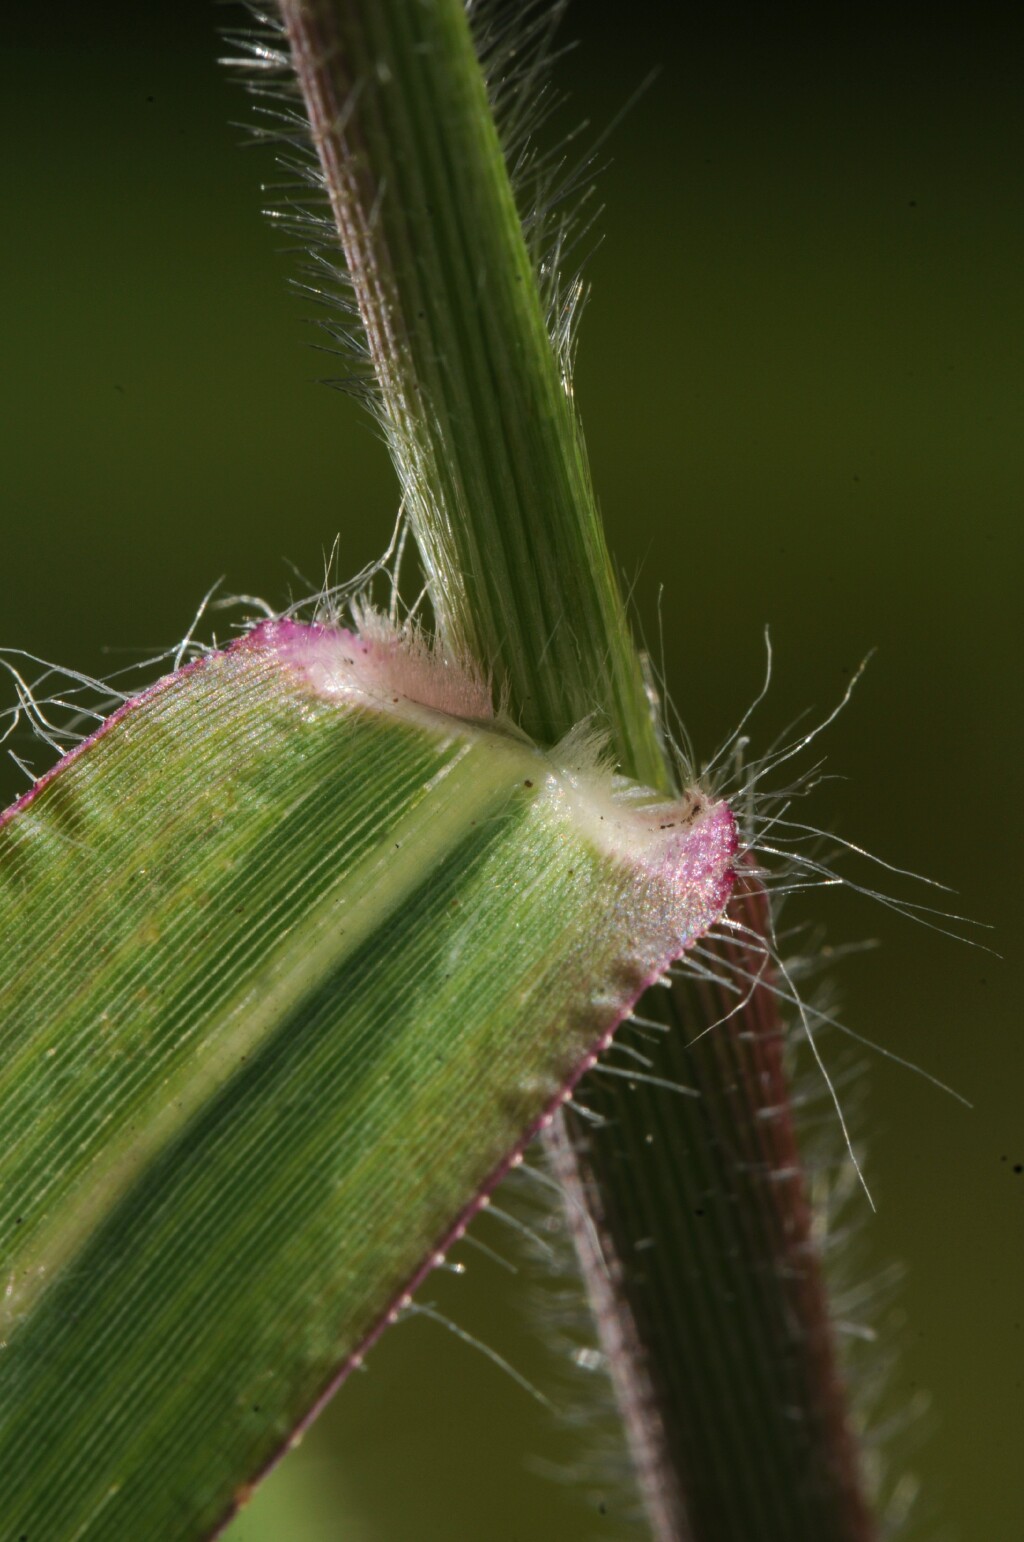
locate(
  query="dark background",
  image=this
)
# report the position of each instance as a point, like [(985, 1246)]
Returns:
[(800, 378)]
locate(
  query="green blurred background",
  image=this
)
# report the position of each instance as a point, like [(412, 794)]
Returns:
[(801, 379)]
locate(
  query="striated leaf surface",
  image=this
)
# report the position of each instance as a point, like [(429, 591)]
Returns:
[(297, 953)]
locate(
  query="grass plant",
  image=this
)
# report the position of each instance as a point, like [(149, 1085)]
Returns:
[(468, 486)]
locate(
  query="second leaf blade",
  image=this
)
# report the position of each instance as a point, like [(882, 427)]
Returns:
[(294, 962)]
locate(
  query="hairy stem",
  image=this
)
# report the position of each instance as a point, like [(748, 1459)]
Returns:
[(703, 1204), (710, 1295), (480, 420)]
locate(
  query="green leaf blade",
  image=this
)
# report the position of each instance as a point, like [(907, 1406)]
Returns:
[(305, 962)]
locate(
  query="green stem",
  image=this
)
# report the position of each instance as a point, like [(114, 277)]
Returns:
[(735, 1408), (479, 417), (703, 1205)]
